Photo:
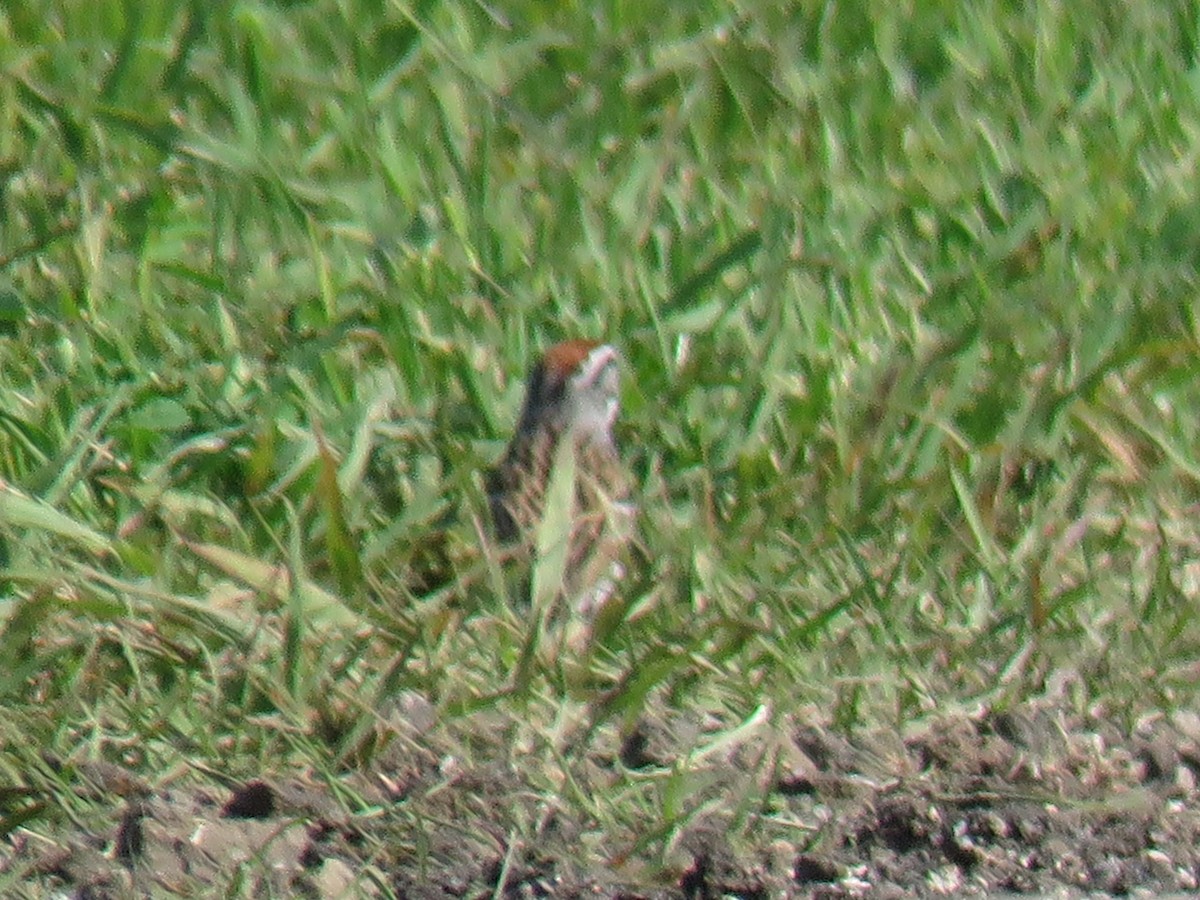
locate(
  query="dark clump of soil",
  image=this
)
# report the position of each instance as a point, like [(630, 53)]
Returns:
[(1024, 801)]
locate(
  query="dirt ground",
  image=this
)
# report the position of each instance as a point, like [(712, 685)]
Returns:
[(1030, 801)]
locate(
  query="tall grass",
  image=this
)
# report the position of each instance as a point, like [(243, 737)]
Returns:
[(906, 299)]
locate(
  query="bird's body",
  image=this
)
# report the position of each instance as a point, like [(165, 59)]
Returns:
[(572, 398)]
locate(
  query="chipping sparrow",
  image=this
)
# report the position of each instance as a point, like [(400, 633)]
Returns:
[(572, 394)]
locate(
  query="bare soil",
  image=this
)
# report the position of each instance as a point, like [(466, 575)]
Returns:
[(1028, 801)]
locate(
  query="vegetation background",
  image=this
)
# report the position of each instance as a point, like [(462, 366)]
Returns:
[(906, 296)]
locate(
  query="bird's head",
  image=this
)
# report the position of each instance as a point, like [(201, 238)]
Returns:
[(574, 388)]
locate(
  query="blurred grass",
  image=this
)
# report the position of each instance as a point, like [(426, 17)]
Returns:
[(907, 303)]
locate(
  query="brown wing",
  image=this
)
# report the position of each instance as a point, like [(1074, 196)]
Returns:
[(517, 486), (600, 529)]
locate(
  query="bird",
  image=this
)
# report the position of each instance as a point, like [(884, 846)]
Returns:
[(565, 431)]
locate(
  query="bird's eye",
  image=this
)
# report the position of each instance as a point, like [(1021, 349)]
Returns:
[(605, 380), (609, 378), (599, 369)]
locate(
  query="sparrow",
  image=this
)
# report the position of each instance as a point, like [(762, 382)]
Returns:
[(566, 430)]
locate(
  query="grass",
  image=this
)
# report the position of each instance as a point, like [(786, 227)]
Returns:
[(906, 298)]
